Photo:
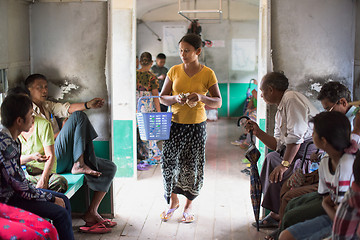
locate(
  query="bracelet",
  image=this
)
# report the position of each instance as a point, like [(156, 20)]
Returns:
[(86, 105)]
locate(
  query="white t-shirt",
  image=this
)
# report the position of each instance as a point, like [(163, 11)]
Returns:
[(338, 183)]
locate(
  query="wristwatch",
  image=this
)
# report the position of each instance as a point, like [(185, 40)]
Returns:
[(285, 163)]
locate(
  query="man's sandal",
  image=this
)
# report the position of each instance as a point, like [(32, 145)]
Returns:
[(107, 222), (267, 222), (97, 228), (188, 217), (165, 216)]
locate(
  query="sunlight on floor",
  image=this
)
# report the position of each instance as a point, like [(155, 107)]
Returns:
[(223, 210)]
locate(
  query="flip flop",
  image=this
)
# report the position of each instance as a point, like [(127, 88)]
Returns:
[(188, 217), (110, 223), (270, 222), (165, 216), (107, 222), (143, 166), (97, 228), (152, 161)]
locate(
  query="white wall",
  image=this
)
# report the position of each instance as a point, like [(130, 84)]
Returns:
[(14, 39), (217, 58), (68, 45), (313, 42)]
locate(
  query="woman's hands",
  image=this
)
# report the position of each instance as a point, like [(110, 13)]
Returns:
[(181, 99), (329, 206), (190, 98)]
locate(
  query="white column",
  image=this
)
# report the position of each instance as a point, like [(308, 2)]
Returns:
[(265, 63), (122, 75)]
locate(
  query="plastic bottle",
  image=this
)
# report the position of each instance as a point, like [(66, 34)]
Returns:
[(24, 169), (314, 166)]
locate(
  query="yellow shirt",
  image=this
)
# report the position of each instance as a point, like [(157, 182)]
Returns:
[(182, 83), (42, 136)]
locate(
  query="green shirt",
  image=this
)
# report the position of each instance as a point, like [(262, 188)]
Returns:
[(41, 137)]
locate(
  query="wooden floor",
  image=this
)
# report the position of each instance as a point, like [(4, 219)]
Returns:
[(223, 209)]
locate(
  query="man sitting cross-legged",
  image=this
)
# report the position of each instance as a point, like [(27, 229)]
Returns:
[(74, 147)]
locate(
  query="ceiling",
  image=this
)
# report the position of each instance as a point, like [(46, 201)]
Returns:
[(167, 10)]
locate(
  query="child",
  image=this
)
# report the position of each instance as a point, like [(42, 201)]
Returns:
[(160, 72), (15, 190), (332, 134), (347, 218)]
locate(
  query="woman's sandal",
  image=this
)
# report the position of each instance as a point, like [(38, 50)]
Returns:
[(165, 216), (188, 217), (142, 166)]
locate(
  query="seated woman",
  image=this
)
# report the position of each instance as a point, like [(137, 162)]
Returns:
[(147, 85), (74, 147), (16, 223)]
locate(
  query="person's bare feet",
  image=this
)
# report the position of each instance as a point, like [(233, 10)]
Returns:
[(92, 218), (84, 169)]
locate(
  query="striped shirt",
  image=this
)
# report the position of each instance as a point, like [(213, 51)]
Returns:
[(347, 218), (336, 183)]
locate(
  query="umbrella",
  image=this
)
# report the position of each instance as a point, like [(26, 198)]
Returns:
[(253, 155)]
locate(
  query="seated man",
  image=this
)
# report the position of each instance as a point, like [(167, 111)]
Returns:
[(15, 190), (334, 96), (38, 153), (291, 131), (74, 147)]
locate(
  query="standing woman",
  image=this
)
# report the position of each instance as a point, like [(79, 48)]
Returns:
[(147, 85), (183, 161)]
